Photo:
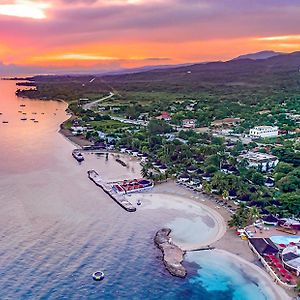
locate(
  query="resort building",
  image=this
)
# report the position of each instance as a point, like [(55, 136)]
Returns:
[(132, 186), (261, 161), (270, 220), (189, 123), (164, 116), (264, 131), (291, 258), (262, 246), (229, 169), (267, 252)]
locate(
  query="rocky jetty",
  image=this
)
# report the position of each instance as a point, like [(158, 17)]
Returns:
[(172, 255)]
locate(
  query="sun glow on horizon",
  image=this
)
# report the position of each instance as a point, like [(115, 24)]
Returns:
[(280, 38), (25, 9)]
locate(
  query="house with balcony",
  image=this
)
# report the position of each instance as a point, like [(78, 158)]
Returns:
[(261, 161)]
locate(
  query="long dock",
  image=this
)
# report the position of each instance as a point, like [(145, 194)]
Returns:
[(120, 199)]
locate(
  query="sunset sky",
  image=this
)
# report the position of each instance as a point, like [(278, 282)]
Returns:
[(80, 35)]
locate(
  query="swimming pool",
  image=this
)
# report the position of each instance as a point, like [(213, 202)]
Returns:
[(280, 239)]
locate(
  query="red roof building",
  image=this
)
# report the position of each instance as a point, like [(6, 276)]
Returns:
[(164, 116)]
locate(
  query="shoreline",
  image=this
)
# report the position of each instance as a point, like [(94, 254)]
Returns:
[(220, 225), (275, 290)]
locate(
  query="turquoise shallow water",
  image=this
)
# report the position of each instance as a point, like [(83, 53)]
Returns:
[(281, 239), (57, 228)]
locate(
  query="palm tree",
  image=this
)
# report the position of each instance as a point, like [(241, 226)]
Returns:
[(225, 195), (144, 171), (254, 214)]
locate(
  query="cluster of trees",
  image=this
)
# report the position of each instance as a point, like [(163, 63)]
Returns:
[(244, 216)]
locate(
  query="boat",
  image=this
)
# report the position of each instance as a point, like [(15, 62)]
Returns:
[(32, 119), (77, 155), (5, 122), (139, 202), (22, 105), (23, 119), (98, 275), (34, 113), (121, 162), (35, 121), (42, 113), (19, 111)]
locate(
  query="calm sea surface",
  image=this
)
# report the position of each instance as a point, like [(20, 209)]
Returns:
[(57, 227)]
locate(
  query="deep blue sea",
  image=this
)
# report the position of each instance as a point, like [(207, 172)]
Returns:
[(57, 228)]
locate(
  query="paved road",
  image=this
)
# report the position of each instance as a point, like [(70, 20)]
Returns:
[(128, 121), (91, 104)]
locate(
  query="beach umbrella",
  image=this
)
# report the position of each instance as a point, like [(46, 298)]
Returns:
[(283, 271), (282, 245), (292, 244), (288, 277)]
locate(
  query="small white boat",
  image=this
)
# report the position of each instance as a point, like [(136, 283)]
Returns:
[(77, 155), (139, 202), (98, 275)]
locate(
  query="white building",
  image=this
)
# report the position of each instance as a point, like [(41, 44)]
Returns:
[(189, 123), (264, 131), (259, 160)]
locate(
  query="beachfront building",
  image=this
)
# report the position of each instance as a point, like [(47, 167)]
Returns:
[(183, 178), (123, 149), (261, 161), (262, 246), (264, 132), (267, 252), (270, 220), (229, 169), (292, 224), (189, 123), (163, 169), (77, 130), (132, 186), (291, 258)]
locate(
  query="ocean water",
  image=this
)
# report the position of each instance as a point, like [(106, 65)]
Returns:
[(57, 227)]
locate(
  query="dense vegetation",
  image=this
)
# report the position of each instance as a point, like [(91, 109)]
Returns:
[(262, 92)]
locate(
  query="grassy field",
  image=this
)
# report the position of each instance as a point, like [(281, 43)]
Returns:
[(109, 125)]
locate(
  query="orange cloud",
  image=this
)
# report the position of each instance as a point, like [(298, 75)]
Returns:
[(125, 33)]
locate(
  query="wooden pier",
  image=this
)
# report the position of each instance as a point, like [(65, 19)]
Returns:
[(107, 188)]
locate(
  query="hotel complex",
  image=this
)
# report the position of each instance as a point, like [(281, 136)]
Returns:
[(264, 131)]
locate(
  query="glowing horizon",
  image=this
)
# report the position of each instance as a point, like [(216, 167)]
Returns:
[(102, 35)]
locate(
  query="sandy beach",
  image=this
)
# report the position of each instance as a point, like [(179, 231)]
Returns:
[(201, 227)]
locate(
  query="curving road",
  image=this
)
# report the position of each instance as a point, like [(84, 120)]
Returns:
[(91, 104)]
